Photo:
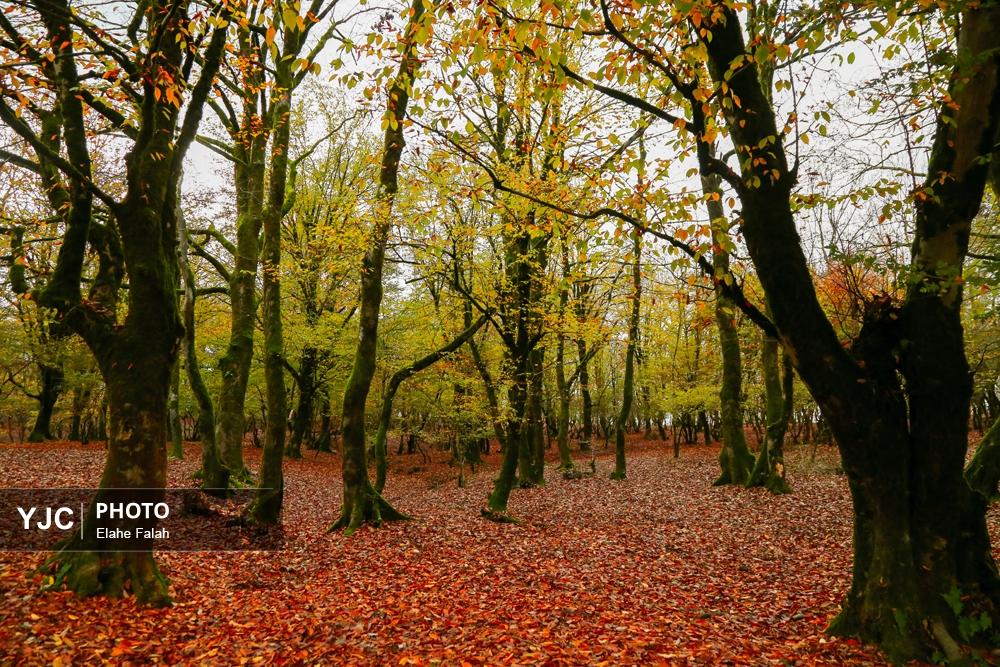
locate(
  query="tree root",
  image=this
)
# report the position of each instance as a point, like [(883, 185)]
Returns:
[(498, 517), (373, 509), (113, 574)]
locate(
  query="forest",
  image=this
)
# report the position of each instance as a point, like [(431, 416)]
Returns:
[(454, 332)]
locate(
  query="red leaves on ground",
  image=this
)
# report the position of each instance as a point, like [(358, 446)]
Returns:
[(658, 569)]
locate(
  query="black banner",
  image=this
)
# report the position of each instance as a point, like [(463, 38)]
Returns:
[(130, 520)]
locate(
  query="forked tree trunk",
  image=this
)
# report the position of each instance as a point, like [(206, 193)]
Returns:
[(920, 533), (137, 392), (136, 356), (385, 414)]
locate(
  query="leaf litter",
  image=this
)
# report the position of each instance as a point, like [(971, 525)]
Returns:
[(661, 568)]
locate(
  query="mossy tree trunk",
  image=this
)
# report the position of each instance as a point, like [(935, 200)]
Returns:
[(769, 471), (919, 531), (135, 356), (735, 459), (214, 476), (362, 503), (983, 471), (628, 381), (174, 414), (531, 460), (234, 365), (520, 334)]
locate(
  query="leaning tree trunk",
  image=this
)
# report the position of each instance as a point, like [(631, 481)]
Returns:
[(628, 388), (735, 458), (496, 506), (385, 414), (362, 503), (214, 476)]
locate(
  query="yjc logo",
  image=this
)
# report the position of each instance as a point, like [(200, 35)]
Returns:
[(51, 517)]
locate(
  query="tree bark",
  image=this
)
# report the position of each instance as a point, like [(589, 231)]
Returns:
[(303, 420), (983, 471), (48, 394), (735, 459), (214, 476), (628, 388), (174, 414), (362, 503), (769, 471)]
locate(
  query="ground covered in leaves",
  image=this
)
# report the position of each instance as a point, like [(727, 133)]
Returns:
[(659, 569)]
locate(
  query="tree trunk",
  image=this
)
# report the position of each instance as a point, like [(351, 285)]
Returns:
[(174, 414), (214, 475), (983, 471), (586, 400), (303, 419), (362, 503), (562, 389), (266, 508), (531, 459), (52, 382), (496, 508), (735, 459), (919, 532), (769, 471), (628, 388), (79, 398), (385, 414), (234, 365)]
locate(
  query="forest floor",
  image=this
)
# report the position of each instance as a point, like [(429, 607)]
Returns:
[(661, 568)]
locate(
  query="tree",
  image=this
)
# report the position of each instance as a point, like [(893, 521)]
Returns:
[(919, 531), (362, 504), (135, 355)]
